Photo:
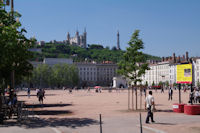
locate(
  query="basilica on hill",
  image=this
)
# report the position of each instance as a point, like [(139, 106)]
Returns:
[(78, 40)]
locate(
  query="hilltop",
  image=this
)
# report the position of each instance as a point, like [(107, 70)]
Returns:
[(94, 52)]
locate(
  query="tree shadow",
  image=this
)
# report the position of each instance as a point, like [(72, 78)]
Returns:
[(51, 112), (164, 110), (46, 105), (25, 95), (53, 122)]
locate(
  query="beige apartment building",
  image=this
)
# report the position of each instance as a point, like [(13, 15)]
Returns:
[(92, 73)]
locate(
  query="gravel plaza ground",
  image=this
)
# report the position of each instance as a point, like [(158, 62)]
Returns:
[(79, 111)]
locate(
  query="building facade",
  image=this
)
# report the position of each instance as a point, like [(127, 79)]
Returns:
[(165, 70), (92, 74), (196, 71)]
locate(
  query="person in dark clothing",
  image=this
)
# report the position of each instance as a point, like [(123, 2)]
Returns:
[(170, 93), (162, 90), (41, 94), (28, 92)]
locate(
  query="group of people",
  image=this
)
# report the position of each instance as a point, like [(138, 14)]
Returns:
[(194, 96), (197, 96)]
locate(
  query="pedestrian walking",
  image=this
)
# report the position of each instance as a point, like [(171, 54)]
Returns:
[(162, 89), (150, 106), (170, 93), (37, 92), (41, 96)]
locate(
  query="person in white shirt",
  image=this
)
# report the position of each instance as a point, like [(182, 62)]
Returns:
[(197, 96), (150, 106)]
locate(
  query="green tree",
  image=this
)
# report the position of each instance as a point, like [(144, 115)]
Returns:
[(167, 83), (175, 84), (160, 83), (146, 83), (153, 84), (14, 53), (133, 65)]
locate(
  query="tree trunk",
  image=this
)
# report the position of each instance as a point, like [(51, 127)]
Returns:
[(132, 100), (128, 98), (140, 98), (136, 98)]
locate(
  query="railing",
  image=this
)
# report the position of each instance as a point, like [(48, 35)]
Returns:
[(9, 111)]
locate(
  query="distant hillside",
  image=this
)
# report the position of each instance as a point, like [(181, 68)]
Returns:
[(94, 52)]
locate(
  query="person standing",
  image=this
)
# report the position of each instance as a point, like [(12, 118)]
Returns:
[(28, 92), (150, 106), (170, 93), (145, 91), (162, 89)]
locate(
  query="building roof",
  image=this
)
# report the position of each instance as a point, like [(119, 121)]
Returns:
[(53, 61)]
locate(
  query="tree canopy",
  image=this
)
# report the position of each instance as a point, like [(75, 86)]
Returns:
[(14, 54), (133, 65), (56, 76)]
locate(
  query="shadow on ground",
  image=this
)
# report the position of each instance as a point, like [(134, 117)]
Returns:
[(161, 123), (164, 110), (46, 105), (53, 122), (52, 112), (36, 95)]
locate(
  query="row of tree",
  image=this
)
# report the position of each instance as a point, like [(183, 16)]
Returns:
[(57, 76)]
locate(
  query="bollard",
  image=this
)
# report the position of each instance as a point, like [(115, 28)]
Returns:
[(100, 122), (140, 123)]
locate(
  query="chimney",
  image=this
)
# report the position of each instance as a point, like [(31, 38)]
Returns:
[(187, 58), (184, 57), (179, 59), (163, 58), (174, 57)]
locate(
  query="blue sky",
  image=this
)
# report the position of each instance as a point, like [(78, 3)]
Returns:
[(166, 26)]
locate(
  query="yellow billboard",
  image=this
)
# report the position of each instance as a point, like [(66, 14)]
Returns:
[(184, 73)]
